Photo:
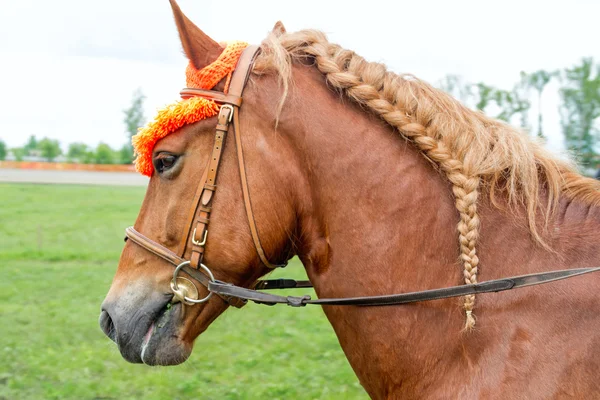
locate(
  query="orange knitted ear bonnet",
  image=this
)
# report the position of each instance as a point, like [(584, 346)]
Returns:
[(187, 111)]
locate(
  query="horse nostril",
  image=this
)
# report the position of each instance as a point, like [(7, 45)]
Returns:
[(107, 326)]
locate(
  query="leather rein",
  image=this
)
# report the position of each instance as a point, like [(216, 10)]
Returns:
[(237, 296)]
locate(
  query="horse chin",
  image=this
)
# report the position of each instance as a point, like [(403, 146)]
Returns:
[(161, 344)]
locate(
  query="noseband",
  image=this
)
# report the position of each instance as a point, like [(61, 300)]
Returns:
[(236, 296)]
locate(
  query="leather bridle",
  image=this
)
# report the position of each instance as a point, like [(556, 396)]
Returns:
[(199, 216), (198, 219)]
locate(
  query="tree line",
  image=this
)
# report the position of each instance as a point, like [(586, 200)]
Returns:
[(47, 149), (79, 152), (579, 108)]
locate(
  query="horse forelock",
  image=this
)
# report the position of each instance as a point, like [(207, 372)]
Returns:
[(473, 150)]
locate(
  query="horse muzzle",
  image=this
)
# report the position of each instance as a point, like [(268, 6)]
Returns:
[(146, 333)]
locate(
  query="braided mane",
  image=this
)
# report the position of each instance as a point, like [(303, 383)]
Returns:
[(474, 151)]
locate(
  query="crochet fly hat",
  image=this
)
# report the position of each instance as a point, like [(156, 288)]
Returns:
[(188, 111)]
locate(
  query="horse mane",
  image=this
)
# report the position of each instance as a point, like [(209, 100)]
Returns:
[(476, 153)]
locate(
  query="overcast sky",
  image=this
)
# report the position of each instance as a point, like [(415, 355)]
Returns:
[(69, 67)]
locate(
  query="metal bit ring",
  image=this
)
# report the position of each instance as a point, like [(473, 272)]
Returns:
[(179, 293)]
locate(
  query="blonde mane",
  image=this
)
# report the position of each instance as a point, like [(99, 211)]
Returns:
[(475, 152)]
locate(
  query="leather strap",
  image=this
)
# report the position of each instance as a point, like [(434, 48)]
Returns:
[(175, 260), (238, 82), (218, 97), (229, 291), (270, 284), (234, 98), (152, 246), (242, 71), (236, 86), (200, 228), (190, 218), (172, 258), (246, 193), (497, 285), (197, 232)]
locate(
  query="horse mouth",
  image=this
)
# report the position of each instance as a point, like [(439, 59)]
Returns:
[(153, 338)]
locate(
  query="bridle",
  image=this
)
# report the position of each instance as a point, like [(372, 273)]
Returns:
[(198, 219)]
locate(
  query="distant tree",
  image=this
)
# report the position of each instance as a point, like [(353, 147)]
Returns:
[(580, 109), (125, 155), (502, 104), (497, 103), (523, 103), (134, 117), (485, 95), (2, 150), (538, 81), (32, 144), (512, 103), (49, 148), (77, 152), (19, 153), (89, 157), (104, 154)]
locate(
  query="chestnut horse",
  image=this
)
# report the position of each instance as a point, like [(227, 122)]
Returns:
[(370, 178)]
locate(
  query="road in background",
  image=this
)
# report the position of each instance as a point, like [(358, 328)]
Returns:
[(73, 177)]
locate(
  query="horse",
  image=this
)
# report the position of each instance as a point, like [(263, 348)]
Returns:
[(380, 184)]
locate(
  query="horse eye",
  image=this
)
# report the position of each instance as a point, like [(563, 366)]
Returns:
[(163, 162)]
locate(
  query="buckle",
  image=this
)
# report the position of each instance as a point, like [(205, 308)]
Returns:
[(203, 242), (230, 108)]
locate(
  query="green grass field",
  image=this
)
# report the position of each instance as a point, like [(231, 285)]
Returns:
[(59, 247)]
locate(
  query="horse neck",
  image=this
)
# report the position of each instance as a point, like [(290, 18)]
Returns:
[(373, 210), (375, 217), (373, 204)]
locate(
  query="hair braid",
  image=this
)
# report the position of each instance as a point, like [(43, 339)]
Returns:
[(466, 145), (384, 93)]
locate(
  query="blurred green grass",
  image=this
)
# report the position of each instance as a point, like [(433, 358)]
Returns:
[(59, 247)]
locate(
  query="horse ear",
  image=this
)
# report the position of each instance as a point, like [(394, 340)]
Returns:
[(278, 29), (199, 48)]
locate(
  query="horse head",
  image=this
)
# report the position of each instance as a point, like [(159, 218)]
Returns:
[(139, 313)]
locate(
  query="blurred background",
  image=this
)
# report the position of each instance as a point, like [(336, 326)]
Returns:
[(78, 79)]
